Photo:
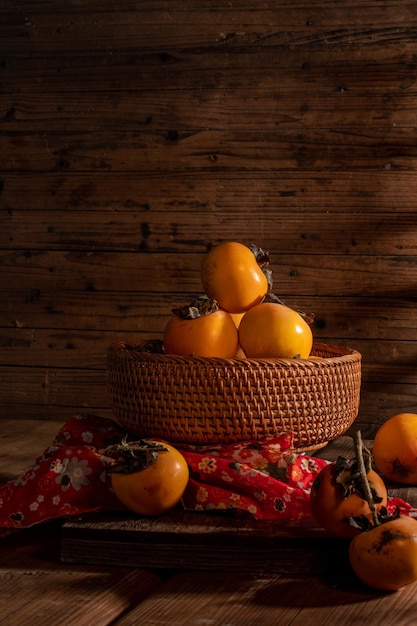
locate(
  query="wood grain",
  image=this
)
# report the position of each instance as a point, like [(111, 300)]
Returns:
[(136, 137), (197, 194), (198, 542), (244, 600), (36, 587)]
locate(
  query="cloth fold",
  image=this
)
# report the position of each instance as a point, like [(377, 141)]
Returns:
[(264, 478)]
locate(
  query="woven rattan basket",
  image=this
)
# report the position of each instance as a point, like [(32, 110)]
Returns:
[(209, 400)]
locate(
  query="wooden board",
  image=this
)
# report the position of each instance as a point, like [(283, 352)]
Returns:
[(187, 540)]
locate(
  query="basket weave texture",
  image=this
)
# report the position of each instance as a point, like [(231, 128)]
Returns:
[(210, 400)]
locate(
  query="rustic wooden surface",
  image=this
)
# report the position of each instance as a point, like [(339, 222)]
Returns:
[(134, 136), (197, 541), (38, 588)]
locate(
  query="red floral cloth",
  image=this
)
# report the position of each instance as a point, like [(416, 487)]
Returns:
[(264, 478)]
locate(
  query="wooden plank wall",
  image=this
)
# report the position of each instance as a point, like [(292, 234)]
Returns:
[(135, 135)]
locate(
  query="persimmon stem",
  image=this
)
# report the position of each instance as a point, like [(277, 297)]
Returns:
[(359, 452)]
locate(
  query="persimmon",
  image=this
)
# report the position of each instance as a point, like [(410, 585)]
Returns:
[(337, 497), (201, 329), (149, 477), (395, 448), (274, 330), (385, 556), (232, 275)]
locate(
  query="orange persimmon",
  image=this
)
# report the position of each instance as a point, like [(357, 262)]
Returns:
[(336, 498), (395, 448), (231, 274), (201, 329), (385, 556), (274, 330)]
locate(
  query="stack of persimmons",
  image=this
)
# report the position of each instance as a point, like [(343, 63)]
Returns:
[(238, 315)]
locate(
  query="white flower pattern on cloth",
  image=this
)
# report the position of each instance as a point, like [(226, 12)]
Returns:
[(87, 437), (73, 472)]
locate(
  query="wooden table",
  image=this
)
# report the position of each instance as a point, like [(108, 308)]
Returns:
[(37, 587)]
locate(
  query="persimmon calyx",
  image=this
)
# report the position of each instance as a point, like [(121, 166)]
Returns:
[(272, 297), (152, 346), (348, 476), (202, 305), (135, 456), (262, 257), (382, 516)]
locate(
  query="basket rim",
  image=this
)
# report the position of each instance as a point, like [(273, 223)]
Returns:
[(340, 354)]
